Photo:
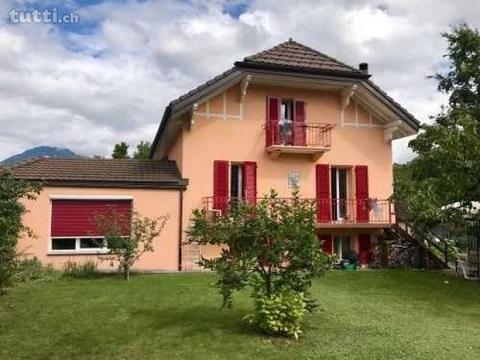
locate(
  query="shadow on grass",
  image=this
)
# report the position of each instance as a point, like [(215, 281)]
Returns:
[(196, 319)]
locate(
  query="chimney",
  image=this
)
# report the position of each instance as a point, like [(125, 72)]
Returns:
[(363, 67)]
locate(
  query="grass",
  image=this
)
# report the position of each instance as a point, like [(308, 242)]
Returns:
[(363, 315)]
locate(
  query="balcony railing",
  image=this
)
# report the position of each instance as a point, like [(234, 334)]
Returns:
[(330, 212), (303, 135), (354, 211)]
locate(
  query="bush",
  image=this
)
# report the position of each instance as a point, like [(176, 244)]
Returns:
[(32, 269), (271, 246), (86, 270), (12, 191), (279, 314)]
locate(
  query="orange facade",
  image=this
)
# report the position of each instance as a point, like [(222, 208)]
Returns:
[(223, 128)]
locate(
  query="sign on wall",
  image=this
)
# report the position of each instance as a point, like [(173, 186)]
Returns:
[(294, 179)]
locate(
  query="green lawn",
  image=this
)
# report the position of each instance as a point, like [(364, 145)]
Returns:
[(364, 315)]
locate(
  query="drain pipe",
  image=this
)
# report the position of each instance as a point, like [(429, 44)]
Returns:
[(180, 230)]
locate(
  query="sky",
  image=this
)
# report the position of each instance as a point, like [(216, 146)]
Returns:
[(108, 78)]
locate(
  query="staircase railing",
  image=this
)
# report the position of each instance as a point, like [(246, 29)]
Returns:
[(434, 243)]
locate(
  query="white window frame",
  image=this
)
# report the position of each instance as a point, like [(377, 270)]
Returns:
[(78, 250)]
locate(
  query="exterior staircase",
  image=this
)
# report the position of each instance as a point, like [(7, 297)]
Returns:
[(420, 249)]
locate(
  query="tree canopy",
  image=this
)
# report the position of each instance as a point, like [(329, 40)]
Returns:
[(447, 167), (271, 246), (120, 151), (143, 150)]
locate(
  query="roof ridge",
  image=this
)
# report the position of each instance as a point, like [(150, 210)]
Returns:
[(322, 54), (265, 50)]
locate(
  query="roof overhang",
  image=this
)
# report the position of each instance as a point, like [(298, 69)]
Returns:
[(398, 121)]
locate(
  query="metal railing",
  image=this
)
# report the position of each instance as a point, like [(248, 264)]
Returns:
[(329, 211), (354, 211), (309, 135)]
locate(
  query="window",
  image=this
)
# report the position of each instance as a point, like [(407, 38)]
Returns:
[(73, 225), (79, 243), (286, 122), (63, 244), (339, 185), (236, 181), (343, 248)]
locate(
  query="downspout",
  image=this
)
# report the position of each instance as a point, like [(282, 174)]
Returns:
[(180, 230)]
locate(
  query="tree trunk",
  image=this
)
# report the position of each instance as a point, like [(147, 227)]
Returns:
[(126, 272)]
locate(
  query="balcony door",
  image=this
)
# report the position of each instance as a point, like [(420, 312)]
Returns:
[(286, 122), (236, 182), (339, 186)]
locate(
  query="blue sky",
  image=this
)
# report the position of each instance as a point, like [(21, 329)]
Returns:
[(108, 78)]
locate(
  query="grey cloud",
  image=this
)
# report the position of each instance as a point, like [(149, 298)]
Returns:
[(88, 91)]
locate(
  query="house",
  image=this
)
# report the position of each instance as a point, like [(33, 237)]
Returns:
[(284, 118)]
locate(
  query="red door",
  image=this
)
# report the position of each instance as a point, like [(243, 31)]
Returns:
[(363, 249), (324, 214), (221, 169), (361, 193)]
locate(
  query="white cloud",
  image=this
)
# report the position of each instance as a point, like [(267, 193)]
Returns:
[(88, 91)]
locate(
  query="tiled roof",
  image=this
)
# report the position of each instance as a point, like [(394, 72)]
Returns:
[(151, 173), (292, 55)]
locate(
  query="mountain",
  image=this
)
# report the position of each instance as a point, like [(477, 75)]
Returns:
[(40, 151)]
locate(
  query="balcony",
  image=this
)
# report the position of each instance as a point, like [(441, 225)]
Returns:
[(331, 213), (354, 213), (304, 139)]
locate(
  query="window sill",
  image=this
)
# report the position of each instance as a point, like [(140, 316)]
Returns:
[(77, 252)]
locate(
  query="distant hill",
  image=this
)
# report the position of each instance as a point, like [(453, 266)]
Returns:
[(40, 151)]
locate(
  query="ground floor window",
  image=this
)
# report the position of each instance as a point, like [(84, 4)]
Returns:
[(92, 243), (343, 248), (74, 227)]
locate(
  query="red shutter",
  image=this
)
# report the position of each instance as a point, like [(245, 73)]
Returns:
[(77, 217), (221, 169), (273, 117), (250, 181), (323, 193), (327, 244), (361, 186), (363, 249), (299, 129)]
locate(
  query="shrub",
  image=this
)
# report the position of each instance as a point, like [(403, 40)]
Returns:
[(11, 211), (271, 246), (128, 238), (86, 270), (280, 313), (32, 269)]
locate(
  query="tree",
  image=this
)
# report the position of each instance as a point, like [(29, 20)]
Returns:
[(120, 151), (128, 239), (143, 150), (448, 162), (12, 191), (270, 246)]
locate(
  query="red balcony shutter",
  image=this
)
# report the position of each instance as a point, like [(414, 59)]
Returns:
[(220, 185), (250, 181), (77, 217), (273, 118), (363, 249), (327, 244), (323, 193), (361, 185), (299, 129)]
